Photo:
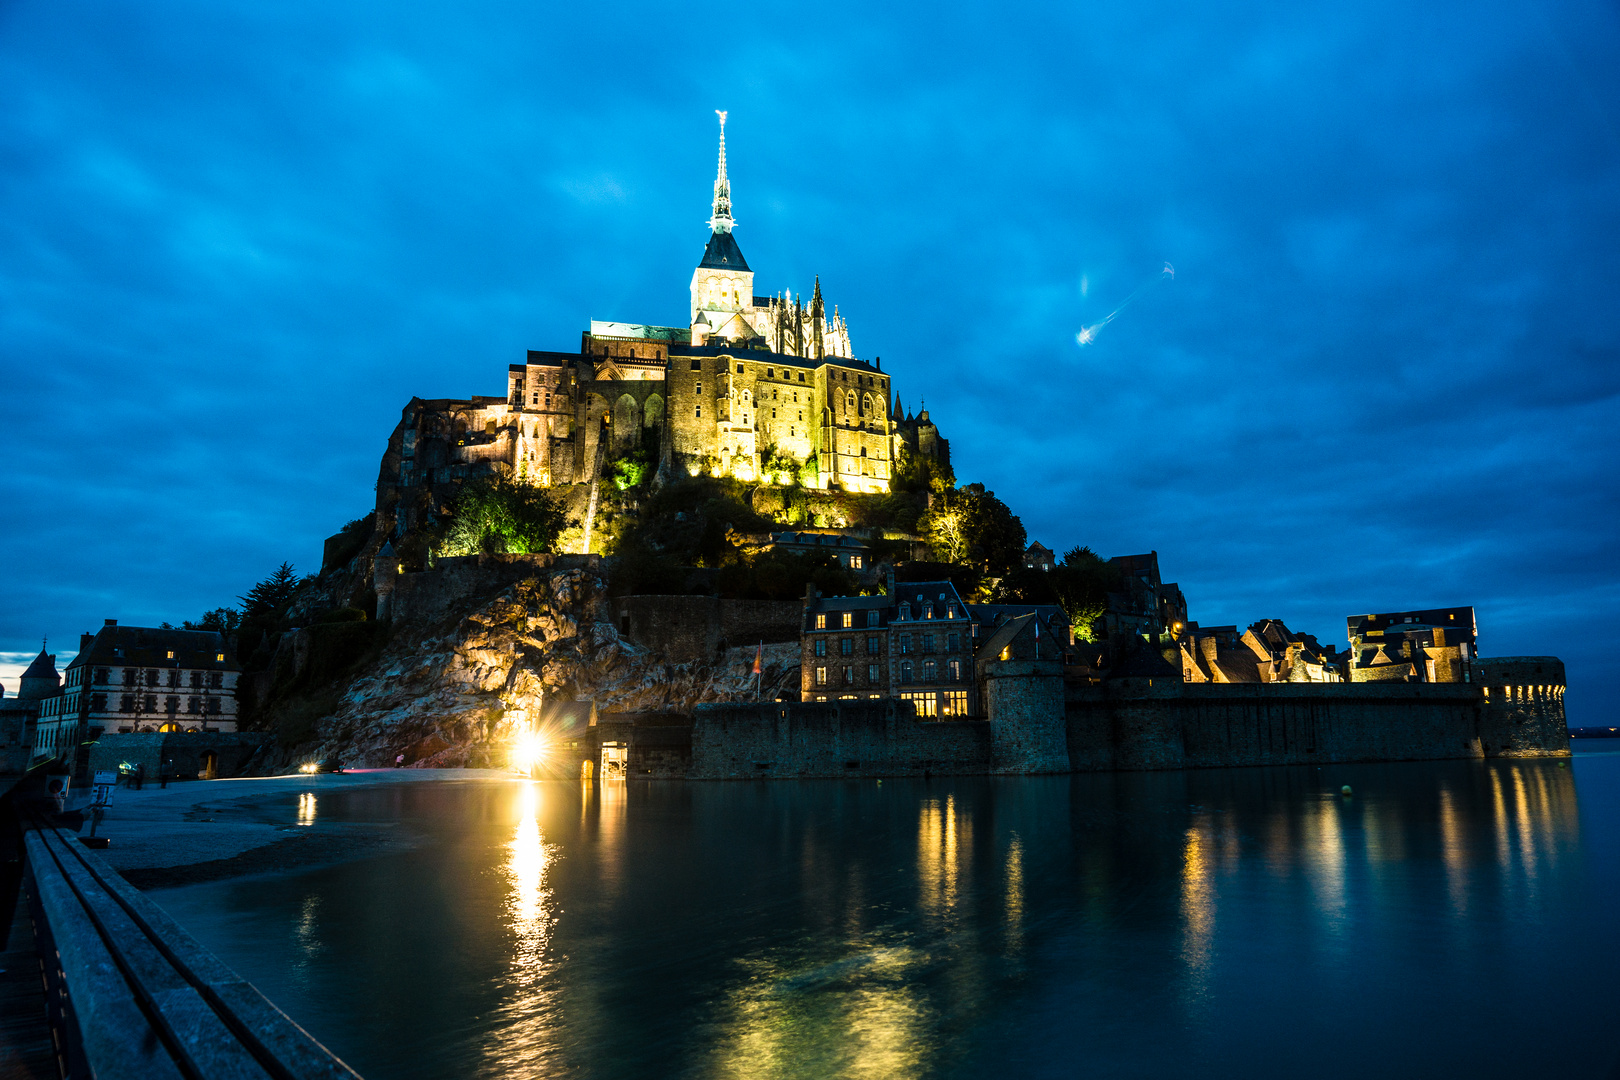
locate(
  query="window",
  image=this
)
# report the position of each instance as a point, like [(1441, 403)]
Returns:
[(928, 643), (821, 646), (103, 676), (846, 646), (953, 642), (151, 703), (801, 379), (770, 373), (219, 658), (214, 706), (872, 617), (700, 388), (98, 702), (924, 703), (216, 679), (849, 619), (169, 655), (174, 678), (171, 704), (698, 412), (905, 671), (872, 674), (534, 399), (821, 676), (126, 703), (955, 669), (821, 621), (955, 702), (872, 645), (905, 644), (196, 679), (191, 704), (952, 612), (739, 369), (151, 678), (855, 564), (129, 677), (930, 671)]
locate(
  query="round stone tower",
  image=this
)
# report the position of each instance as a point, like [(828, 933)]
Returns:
[(1522, 714), (40, 681)]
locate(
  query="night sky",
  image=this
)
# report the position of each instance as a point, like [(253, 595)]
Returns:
[(237, 238)]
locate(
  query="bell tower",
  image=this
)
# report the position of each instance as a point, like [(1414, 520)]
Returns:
[(722, 285)]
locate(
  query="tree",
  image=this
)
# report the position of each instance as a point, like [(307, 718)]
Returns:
[(223, 620), (267, 602), (972, 526), (1083, 581), (495, 516)]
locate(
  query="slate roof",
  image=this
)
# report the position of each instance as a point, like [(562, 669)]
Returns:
[(722, 253), (765, 356), (142, 646), (43, 667)]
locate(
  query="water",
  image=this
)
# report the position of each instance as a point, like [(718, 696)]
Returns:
[(1453, 918)]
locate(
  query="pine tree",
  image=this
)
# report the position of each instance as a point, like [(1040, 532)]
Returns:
[(267, 602)]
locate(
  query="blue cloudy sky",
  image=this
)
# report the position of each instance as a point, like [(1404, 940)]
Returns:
[(236, 238)]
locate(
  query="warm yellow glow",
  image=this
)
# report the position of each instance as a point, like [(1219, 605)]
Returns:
[(529, 750), (308, 767), (306, 808)]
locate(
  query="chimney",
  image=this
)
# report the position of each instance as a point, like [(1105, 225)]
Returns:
[(85, 641), (889, 579), (110, 622)]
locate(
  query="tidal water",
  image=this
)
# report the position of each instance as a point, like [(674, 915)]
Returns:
[(1446, 919)]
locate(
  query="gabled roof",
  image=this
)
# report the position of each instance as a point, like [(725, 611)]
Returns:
[(1005, 635), (722, 253), (142, 646)]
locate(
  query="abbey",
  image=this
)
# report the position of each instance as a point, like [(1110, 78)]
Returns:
[(761, 388)]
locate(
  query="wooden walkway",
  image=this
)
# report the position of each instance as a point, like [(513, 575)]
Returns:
[(143, 999), (26, 1049)]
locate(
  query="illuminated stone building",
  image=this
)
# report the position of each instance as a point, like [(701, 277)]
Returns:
[(134, 678), (920, 643), (1412, 646), (763, 388)]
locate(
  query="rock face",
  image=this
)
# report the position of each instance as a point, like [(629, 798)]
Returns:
[(451, 692)]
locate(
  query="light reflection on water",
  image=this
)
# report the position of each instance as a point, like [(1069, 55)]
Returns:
[(1112, 925)]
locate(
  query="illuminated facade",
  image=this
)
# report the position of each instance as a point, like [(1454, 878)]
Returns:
[(761, 388)]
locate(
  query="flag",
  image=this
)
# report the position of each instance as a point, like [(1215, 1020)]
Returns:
[(759, 658)]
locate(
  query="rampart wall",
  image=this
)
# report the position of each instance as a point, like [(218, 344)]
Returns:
[(835, 738)]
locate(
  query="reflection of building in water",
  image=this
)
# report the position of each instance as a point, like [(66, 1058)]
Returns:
[(524, 1041), (944, 834)]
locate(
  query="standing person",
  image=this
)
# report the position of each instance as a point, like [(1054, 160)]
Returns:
[(140, 775), (163, 776), (399, 762)]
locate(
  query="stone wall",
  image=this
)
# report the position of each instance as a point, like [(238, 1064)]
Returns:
[(1028, 729), (836, 738), (686, 628), (1523, 711), (184, 756), (1200, 725)]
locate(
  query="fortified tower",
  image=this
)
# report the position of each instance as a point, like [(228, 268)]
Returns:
[(1522, 714)]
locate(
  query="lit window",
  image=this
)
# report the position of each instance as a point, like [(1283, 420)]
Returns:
[(169, 654), (219, 658), (849, 675), (955, 667), (849, 618), (821, 676), (821, 621), (854, 562)]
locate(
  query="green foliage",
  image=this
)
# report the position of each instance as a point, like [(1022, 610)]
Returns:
[(915, 474), (687, 521), (1026, 585), (343, 615), (1082, 582), (971, 526), (632, 471), (777, 463), (810, 472), (495, 516), (222, 620), (353, 537)]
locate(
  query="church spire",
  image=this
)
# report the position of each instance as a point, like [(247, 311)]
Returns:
[(721, 221)]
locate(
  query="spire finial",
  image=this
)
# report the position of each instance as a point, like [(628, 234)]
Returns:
[(721, 221)]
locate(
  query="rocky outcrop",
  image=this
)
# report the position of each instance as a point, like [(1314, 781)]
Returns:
[(451, 691)]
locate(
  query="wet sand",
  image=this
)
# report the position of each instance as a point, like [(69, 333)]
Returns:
[(205, 830)]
